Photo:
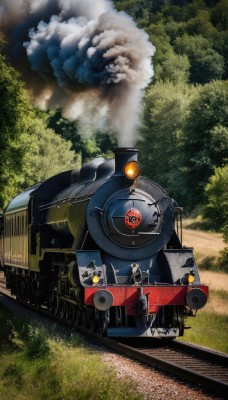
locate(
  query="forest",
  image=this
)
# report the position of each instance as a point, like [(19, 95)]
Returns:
[(183, 137)]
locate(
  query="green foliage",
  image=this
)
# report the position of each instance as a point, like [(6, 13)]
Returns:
[(223, 259), (196, 29), (37, 343), (205, 63), (99, 144), (204, 149), (184, 137), (29, 151), (47, 155), (201, 24), (14, 118), (219, 15), (166, 109), (217, 201), (66, 129), (174, 69)]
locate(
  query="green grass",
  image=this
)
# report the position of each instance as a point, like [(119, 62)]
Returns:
[(208, 329), (38, 364)]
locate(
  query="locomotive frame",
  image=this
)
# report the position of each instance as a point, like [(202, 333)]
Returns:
[(101, 249)]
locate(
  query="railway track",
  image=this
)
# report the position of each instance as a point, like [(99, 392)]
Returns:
[(202, 367), (205, 368)]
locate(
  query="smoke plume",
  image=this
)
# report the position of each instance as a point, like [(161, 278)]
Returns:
[(81, 56)]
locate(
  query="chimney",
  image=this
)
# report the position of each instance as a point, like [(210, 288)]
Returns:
[(122, 156)]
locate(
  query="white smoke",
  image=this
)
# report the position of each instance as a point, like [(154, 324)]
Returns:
[(93, 61)]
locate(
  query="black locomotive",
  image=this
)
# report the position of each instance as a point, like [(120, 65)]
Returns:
[(98, 246)]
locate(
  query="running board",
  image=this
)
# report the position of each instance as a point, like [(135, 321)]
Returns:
[(141, 332)]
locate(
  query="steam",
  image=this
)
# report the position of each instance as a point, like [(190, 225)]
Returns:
[(83, 57)]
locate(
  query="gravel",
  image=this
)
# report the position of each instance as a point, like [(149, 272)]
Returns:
[(153, 384)]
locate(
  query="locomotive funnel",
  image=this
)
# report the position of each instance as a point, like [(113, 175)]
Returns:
[(122, 156)]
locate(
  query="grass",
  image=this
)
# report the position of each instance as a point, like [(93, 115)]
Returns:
[(39, 364), (208, 329)]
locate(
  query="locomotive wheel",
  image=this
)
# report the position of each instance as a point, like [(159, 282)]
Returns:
[(18, 289), (67, 310), (104, 322), (71, 313), (62, 309), (35, 294), (53, 305), (77, 317), (92, 320), (181, 325), (22, 290), (118, 316), (85, 318), (27, 292)]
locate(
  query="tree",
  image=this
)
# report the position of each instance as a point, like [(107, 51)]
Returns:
[(166, 109), (220, 15), (48, 155), (201, 24), (175, 69), (160, 40), (29, 151), (98, 144), (206, 64), (205, 138), (15, 115), (216, 208)]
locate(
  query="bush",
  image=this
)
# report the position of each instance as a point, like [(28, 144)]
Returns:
[(216, 208), (37, 345), (223, 260)]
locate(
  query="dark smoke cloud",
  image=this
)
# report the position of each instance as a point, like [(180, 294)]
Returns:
[(81, 56)]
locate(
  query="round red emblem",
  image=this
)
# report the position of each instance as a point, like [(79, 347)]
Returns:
[(133, 218)]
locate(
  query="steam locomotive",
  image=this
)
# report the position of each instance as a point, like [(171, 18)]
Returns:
[(101, 247)]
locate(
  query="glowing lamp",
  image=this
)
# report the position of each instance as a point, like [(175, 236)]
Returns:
[(132, 169), (95, 279), (190, 279)]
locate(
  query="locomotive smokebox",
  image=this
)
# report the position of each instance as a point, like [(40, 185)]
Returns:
[(122, 156)]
